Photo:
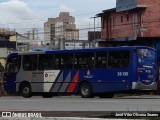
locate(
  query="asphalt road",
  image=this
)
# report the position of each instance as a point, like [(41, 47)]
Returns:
[(76, 103), (75, 106)]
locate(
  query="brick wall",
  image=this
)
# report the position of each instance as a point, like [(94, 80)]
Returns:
[(151, 17), (140, 22)]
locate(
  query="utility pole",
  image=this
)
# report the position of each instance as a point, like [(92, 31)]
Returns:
[(62, 42), (94, 36), (94, 29)]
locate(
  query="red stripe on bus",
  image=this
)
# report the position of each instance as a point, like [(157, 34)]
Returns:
[(73, 83)]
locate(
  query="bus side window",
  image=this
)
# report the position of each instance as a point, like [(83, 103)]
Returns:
[(101, 60), (67, 61), (124, 58), (84, 60), (30, 62), (46, 62), (57, 62), (118, 59)]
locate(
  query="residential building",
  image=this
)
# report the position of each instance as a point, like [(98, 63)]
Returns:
[(22, 42), (60, 27), (79, 44), (5, 33), (32, 34), (69, 45), (6, 46), (27, 41), (93, 35), (130, 20), (4, 51)]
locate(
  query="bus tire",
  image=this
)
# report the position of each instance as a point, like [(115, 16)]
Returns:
[(107, 95), (85, 90), (25, 90)]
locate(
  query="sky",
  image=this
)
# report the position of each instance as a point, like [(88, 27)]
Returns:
[(23, 15)]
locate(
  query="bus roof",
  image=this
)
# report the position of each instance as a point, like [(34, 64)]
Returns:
[(99, 49), (80, 50)]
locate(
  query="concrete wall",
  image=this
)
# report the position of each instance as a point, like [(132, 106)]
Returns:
[(122, 5), (13, 38), (3, 55)]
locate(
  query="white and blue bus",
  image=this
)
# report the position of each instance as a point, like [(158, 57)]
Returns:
[(88, 72)]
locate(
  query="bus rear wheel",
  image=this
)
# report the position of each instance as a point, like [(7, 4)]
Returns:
[(25, 90), (85, 90)]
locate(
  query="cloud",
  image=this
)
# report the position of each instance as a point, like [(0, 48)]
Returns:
[(16, 11), (64, 8), (26, 12)]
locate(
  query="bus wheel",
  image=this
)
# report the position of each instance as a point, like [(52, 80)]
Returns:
[(107, 95), (25, 91), (85, 90)]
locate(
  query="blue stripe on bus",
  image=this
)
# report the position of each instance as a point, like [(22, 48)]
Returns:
[(56, 81), (66, 82)]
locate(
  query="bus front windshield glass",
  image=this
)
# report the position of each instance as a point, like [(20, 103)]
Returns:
[(146, 58), (13, 64)]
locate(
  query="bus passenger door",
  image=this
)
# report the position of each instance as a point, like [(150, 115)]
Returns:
[(9, 82), (12, 68), (146, 71)]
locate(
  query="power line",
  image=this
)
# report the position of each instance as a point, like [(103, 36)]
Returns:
[(57, 27), (123, 24), (43, 20), (125, 27)]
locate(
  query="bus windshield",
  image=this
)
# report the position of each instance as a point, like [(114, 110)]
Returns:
[(13, 64), (146, 58)]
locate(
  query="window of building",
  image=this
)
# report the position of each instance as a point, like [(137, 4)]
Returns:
[(66, 44), (135, 20), (140, 17), (121, 18), (114, 21), (71, 44), (80, 44), (110, 22), (127, 17), (103, 23), (65, 22), (86, 44)]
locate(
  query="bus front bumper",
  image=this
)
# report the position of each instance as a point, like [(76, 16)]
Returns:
[(141, 86)]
